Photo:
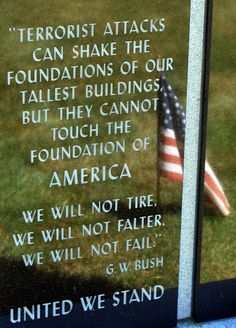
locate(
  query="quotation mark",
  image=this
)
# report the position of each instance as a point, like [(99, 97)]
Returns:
[(12, 29)]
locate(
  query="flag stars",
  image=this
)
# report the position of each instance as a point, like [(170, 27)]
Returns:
[(166, 122), (173, 116)]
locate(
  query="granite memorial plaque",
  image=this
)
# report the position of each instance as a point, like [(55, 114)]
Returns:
[(215, 293), (89, 222)]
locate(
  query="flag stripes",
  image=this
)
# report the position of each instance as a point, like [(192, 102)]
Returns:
[(172, 132), (215, 191), (170, 163)]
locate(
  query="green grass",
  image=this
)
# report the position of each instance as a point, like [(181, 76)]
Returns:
[(218, 243), (25, 186)]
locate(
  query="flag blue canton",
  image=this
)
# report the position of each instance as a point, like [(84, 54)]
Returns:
[(172, 114)]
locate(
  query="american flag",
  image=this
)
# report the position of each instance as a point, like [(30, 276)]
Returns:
[(171, 152)]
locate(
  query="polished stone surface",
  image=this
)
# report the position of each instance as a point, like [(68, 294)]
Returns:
[(227, 323)]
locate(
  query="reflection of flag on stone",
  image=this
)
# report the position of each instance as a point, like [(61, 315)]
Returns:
[(172, 130)]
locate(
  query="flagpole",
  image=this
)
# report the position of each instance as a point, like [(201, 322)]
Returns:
[(158, 120)]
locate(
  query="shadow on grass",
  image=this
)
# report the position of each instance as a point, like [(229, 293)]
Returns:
[(124, 211), (21, 286), (173, 208), (211, 213)]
